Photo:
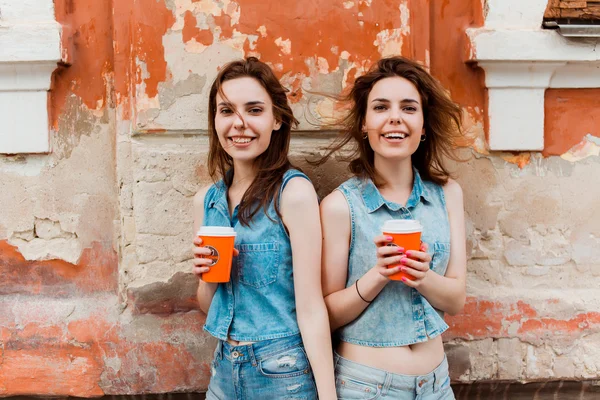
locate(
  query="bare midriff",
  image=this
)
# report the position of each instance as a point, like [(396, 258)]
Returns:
[(237, 343), (415, 359)]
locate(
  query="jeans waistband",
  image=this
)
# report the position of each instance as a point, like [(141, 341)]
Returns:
[(256, 351), (387, 380)]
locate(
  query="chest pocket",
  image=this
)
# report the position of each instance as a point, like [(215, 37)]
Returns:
[(441, 256), (258, 264)]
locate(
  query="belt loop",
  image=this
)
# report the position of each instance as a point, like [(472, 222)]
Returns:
[(220, 349), (438, 379), (387, 382), (251, 355)]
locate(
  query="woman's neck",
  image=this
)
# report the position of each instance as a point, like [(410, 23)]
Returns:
[(397, 176), (243, 173)]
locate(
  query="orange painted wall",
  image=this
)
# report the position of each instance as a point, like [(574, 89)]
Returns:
[(570, 114)]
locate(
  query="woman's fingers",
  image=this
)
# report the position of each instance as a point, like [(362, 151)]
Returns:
[(418, 265), (201, 262), (387, 261), (389, 271), (417, 274), (382, 240), (201, 251), (198, 241), (385, 251), (198, 271), (419, 255)]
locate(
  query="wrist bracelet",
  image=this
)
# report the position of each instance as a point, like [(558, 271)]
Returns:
[(359, 295)]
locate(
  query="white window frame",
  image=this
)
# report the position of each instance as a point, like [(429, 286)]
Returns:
[(521, 60), (29, 52)]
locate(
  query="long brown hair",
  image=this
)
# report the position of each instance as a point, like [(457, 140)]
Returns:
[(442, 121), (274, 162)]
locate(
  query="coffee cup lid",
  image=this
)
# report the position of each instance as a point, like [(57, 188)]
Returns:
[(402, 226), (216, 231)]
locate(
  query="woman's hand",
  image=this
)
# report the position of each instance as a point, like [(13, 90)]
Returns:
[(387, 256), (416, 264), (202, 264)]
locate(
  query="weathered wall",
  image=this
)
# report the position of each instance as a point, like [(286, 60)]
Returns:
[(96, 294)]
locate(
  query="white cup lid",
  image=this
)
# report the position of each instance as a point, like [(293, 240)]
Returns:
[(402, 226), (216, 231)]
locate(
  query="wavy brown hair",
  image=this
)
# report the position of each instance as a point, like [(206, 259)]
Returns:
[(442, 122), (274, 162)]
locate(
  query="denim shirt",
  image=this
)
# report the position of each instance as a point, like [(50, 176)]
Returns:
[(399, 315), (258, 302)]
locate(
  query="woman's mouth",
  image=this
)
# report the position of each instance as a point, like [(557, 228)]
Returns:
[(394, 136), (241, 141)]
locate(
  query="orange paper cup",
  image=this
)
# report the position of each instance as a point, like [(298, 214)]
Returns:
[(220, 240), (405, 233)]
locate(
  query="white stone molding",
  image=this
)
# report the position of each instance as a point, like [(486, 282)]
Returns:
[(29, 52), (521, 60)]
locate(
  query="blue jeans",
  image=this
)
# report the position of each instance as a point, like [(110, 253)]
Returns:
[(357, 381), (269, 369)]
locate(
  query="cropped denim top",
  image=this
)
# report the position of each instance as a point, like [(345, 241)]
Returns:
[(399, 315), (258, 303)]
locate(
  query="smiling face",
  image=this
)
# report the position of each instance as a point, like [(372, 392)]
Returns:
[(244, 119), (394, 118)]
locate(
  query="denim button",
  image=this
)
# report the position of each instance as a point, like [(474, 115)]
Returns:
[(235, 354), (423, 381)]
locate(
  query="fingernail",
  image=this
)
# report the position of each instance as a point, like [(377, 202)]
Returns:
[(400, 250), (403, 279), (403, 260), (389, 238), (408, 253)]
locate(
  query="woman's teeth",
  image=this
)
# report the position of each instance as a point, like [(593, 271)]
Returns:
[(241, 140), (394, 135)]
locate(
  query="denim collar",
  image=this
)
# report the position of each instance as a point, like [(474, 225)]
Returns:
[(374, 200)]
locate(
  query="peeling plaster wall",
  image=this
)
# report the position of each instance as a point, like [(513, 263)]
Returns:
[(96, 291)]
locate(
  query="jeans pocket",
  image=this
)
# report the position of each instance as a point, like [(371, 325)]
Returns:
[(285, 364), (352, 388), (258, 264)]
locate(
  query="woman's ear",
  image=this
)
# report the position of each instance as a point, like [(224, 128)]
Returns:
[(277, 125)]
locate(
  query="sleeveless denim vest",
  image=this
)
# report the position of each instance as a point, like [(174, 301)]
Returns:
[(399, 315), (258, 302)]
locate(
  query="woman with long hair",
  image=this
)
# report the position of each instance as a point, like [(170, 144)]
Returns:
[(270, 318), (402, 124)]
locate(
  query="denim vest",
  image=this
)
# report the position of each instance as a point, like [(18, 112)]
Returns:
[(258, 302), (399, 315)]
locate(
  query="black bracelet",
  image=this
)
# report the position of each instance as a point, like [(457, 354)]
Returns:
[(359, 295)]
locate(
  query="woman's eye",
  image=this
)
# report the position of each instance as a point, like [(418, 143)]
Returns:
[(410, 109), (255, 110), (379, 107), (225, 111)]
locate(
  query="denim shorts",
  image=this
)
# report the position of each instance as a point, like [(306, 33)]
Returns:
[(357, 381), (269, 369)]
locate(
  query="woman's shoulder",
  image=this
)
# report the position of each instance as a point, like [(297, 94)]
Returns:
[(205, 192), (452, 188), (335, 204), (453, 192)]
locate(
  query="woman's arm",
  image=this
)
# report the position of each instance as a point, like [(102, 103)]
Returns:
[(345, 304), (206, 291), (300, 212), (446, 293)]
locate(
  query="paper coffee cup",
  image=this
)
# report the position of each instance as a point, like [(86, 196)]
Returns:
[(405, 233), (220, 240)]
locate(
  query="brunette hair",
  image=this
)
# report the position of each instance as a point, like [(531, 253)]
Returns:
[(442, 121), (271, 164)]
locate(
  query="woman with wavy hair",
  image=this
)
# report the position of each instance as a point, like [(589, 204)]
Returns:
[(270, 318), (402, 124)]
